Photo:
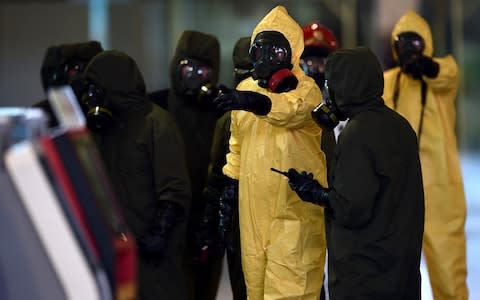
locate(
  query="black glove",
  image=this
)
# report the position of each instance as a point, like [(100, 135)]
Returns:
[(307, 188), (422, 66), (430, 68), (228, 204), (209, 92), (206, 236), (231, 99), (153, 243)]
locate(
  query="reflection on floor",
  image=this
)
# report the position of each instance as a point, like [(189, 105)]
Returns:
[(471, 177)]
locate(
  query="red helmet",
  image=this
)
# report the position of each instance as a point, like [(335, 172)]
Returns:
[(318, 35)]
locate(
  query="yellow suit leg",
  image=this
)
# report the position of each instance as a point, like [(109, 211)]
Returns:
[(444, 243)]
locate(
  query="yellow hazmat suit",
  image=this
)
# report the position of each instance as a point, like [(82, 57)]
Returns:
[(445, 209), (282, 237)]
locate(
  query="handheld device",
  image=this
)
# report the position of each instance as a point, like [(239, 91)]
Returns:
[(280, 172)]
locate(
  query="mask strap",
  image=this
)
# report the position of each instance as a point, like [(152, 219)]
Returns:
[(424, 102), (396, 93)]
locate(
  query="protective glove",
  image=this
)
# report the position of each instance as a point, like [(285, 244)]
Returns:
[(307, 188), (429, 67), (154, 242), (228, 203), (231, 99), (206, 237), (422, 66), (209, 92)]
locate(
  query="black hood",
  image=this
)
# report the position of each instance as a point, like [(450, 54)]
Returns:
[(241, 58), (57, 55), (118, 75), (202, 46), (356, 78)]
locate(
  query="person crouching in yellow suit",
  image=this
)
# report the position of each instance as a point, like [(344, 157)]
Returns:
[(282, 238), (423, 89)]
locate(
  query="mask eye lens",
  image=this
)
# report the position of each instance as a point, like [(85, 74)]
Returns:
[(204, 73), (398, 44), (417, 45), (325, 92), (94, 96), (186, 71), (255, 52), (71, 70), (278, 54), (92, 92)]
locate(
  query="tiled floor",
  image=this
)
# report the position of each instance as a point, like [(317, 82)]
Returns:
[(471, 176)]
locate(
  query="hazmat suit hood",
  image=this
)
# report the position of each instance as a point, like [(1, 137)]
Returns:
[(118, 76), (356, 79), (57, 55), (279, 20), (202, 46), (412, 22)]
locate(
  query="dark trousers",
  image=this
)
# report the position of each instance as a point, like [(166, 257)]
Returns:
[(234, 260), (203, 279)]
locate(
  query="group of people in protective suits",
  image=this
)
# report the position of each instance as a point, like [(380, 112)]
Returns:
[(255, 171)]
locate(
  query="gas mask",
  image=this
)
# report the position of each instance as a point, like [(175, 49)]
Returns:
[(96, 106), (314, 66), (409, 46), (192, 74), (68, 73), (271, 56), (327, 115)]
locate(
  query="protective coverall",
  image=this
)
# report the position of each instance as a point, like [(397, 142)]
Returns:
[(445, 209), (144, 156), (374, 208), (196, 121), (282, 238)]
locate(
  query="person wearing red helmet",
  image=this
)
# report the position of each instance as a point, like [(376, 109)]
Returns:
[(319, 42)]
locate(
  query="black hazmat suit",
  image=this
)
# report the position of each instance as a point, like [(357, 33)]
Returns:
[(143, 153), (55, 67), (375, 216), (196, 121)]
